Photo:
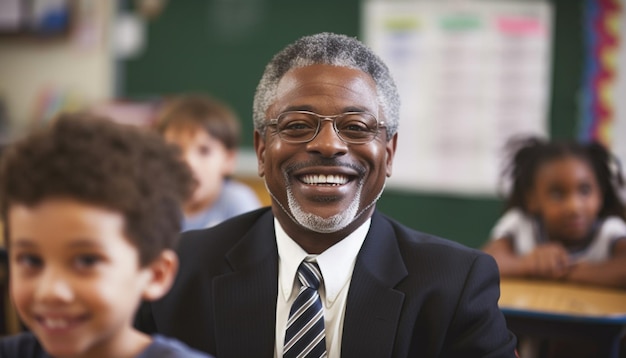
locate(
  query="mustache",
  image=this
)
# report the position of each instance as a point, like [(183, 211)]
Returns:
[(324, 162)]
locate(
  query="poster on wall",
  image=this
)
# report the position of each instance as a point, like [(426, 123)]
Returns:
[(471, 75)]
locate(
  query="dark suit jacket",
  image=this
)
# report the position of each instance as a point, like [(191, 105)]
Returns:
[(411, 294)]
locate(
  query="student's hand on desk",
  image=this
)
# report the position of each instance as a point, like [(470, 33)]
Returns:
[(548, 260), (610, 273)]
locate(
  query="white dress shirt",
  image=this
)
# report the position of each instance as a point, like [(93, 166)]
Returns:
[(336, 265)]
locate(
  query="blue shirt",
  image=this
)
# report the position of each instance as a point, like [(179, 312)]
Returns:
[(26, 345), (235, 198)]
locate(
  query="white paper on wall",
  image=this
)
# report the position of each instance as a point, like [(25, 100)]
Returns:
[(471, 75)]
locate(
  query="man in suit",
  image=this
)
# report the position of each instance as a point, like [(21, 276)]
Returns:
[(326, 115)]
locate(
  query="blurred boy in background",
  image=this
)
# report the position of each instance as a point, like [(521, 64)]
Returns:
[(207, 131)]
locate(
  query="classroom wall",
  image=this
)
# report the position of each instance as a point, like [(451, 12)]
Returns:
[(469, 220), (222, 46), (75, 67)]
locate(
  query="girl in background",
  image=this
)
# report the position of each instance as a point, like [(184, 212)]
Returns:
[(564, 217)]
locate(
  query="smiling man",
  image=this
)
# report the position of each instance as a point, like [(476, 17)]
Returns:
[(322, 273)]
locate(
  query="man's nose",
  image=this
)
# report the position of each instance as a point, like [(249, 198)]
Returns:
[(327, 141)]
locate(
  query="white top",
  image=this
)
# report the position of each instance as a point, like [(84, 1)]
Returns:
[(336, 265), (525, 234)]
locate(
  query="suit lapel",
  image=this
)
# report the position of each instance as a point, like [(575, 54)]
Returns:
[(246, 297), (373, 305)]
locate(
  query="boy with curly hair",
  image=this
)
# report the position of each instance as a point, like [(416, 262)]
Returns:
[(92, 214)]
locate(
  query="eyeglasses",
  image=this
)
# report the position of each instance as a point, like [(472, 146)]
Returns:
[(303, 126)]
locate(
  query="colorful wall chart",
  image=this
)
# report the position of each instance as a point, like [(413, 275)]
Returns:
[(471, 75)]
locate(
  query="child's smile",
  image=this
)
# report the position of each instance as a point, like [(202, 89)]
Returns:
[(75, 277)]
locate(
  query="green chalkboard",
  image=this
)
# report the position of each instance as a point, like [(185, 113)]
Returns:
[(222, 46)]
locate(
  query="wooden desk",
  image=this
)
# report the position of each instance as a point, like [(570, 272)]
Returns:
[(554, 310)]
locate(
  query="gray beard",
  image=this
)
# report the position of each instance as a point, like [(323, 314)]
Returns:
[(319, 224)]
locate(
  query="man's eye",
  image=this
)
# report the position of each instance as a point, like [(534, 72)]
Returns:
[(355, 126), (296, 125)]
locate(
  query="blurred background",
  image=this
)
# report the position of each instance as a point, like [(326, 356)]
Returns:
[(472, 74)]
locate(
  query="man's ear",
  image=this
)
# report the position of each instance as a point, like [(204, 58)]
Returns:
[(391, 151), (259, 148), (162, 272)]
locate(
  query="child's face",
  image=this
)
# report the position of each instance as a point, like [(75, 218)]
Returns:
[(568, 198), (75, 277), (208, 158)]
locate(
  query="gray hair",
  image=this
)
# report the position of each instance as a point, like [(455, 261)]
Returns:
[(330, 49)]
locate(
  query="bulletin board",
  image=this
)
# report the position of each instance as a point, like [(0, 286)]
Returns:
[(471, 75)]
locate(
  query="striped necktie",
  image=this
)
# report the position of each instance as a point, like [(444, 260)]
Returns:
[(305, 335)]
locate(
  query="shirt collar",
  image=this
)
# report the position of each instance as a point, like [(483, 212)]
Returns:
[(336, 263)]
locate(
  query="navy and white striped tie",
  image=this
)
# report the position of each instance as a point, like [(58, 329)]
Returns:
[(305, 336)]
